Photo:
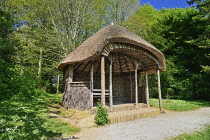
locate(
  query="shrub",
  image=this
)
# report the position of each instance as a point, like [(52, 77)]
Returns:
[(101, 117)]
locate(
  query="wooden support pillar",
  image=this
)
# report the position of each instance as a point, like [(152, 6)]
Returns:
[(131, 87), (147, 89), (91, 85), (110, 85), (139, 87), (70, 72), (159, 92), (103, 80), (136, 85)]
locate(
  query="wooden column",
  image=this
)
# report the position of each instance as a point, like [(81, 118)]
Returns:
[(131, 87), (159, 92), (147, 89), (110, 85), (103, 80), (70, 71), (139, 87), (136, 84), (91, 85)]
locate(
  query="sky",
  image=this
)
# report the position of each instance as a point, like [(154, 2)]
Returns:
[(158, 4)]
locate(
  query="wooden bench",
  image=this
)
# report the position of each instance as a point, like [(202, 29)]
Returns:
[(97, 92)]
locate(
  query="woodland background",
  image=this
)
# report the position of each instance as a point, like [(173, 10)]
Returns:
[(35, 35)]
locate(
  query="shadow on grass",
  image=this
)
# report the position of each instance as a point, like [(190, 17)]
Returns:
[(29, 120)]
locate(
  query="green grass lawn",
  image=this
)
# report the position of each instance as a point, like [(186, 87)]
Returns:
[(182, 105), (179, 105), (28, 119), (204, 134)]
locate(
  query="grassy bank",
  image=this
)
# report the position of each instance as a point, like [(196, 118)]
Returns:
[(204, 134), (182, 105), (179, 105), (28, 119)]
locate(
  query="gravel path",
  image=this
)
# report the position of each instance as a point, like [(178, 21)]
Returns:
[(154, 128)]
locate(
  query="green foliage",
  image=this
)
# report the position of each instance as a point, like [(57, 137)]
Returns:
[(48, 30), (203, 134), (180, 105), (182, 35), (7, 52), (101, 117), (142, 20), (28, 119)]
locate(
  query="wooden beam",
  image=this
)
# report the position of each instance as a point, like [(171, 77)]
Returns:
[(78, 66), (110, 84), (85, 66), (142, 51), (75, 65), (159, 92), (147, 88), (91, 85), (126, 64), (98, 68), (140, 85), (136, 84), (132, 59), (103, 80), (131, 87), (120, 64)]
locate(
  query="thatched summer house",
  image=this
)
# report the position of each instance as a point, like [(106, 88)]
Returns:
[(112, 65)]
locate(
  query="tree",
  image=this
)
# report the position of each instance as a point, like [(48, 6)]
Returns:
[(48, 30), (182, 34), (7, 52), (204, 16), (178, 33), (121, 10)]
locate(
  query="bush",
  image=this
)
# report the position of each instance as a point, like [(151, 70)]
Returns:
[(101, 117)]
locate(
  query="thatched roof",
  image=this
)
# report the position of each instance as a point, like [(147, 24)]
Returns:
[(93, 46)]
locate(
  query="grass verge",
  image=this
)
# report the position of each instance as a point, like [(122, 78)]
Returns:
[(183, 105), (204, 134), (180, 105), (28, 119)]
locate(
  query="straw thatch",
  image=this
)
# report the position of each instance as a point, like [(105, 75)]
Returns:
[(92, 48)]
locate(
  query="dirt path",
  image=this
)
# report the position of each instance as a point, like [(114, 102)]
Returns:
[(154, 128), (76, 118)]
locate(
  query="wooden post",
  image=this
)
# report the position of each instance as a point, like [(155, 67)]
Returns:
[(110, 85), (103, 80), (131, 87), (139, 87), (159, 91), (136, 84), (147, 88), (70, 73), (91, 85)]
